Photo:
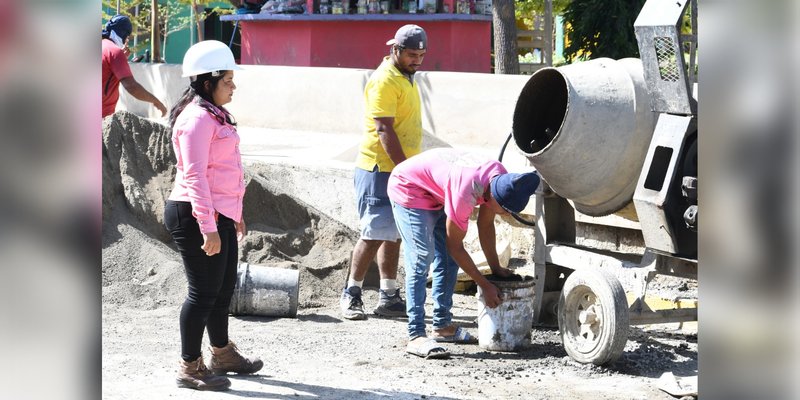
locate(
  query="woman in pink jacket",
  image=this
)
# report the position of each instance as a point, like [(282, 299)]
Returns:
[(204, 214)]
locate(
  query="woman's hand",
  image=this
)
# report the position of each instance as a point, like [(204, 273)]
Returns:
[(241, 230), (211, 243)]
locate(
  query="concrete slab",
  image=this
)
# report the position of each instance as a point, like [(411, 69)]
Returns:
[(298, 147)]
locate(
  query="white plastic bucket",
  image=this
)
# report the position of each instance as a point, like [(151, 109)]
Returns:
[(265, 291), (507, 327)]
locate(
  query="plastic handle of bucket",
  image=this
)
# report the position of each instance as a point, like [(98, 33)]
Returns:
[(481, 314)]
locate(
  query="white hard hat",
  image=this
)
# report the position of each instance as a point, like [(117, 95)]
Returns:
[(208, 56)]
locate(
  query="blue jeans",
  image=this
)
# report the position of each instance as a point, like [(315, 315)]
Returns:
[(423, 236)]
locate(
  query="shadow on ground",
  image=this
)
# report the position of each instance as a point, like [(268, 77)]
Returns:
[(306, 391)]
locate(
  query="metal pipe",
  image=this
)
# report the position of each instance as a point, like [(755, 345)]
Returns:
[(265, 291), (136, 36)]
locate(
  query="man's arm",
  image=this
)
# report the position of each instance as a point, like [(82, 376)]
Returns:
[(389, 140), (486, 235), (455, 245), (138, 91)]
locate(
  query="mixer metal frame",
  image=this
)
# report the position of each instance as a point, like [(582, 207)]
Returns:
[(573, 282)]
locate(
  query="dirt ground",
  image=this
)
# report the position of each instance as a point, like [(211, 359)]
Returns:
[(320, 355), (317, 354)]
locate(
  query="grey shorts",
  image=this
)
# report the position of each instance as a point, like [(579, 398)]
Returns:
[(375, 218)]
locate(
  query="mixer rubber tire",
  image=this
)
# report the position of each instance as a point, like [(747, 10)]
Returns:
[(593, 316)]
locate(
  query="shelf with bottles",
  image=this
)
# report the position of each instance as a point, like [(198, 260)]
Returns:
[(338, 7)]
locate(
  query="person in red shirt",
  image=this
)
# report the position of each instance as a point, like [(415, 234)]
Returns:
[(116, 69)]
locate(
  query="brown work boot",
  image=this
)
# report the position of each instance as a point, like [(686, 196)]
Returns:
[(229, 359), (195, 375)]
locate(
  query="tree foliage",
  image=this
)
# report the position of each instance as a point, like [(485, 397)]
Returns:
[(173, 16), (526, 9), (601, 28)]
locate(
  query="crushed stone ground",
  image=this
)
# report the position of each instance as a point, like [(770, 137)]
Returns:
[(317, 355)]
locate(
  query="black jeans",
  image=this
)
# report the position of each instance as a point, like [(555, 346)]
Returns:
[(211, 278)]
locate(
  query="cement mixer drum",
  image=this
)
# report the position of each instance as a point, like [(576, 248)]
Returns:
[(586, 127)]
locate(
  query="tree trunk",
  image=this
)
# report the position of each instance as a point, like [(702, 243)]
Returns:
[(200, 35), (197, 21), (548, 33), (505, 37), (155, 34)]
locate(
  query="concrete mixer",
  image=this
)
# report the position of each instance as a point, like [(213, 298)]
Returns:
[(616, 144)]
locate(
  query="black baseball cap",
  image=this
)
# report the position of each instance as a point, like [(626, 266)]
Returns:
[(410, 37)]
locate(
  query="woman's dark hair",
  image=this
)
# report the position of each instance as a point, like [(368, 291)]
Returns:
[(197, 87)]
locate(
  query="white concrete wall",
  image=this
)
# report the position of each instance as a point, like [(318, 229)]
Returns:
[(163, 80), (467, 108), (462, 109), (302, 125)]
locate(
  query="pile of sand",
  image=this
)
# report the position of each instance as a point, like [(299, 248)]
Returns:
[(141, 267)]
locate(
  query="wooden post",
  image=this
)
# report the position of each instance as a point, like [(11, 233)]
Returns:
[(155, 33)]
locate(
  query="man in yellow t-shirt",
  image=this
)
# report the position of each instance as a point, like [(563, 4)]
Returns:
[(393, 133)]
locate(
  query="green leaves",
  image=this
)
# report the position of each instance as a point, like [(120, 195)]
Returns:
[(601, 28), (527, 8), (173, 16)]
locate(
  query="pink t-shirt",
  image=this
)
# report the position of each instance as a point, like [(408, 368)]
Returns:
[(445, 177), (210, 174)]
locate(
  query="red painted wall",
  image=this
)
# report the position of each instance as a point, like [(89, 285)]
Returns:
[(463, 46)]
